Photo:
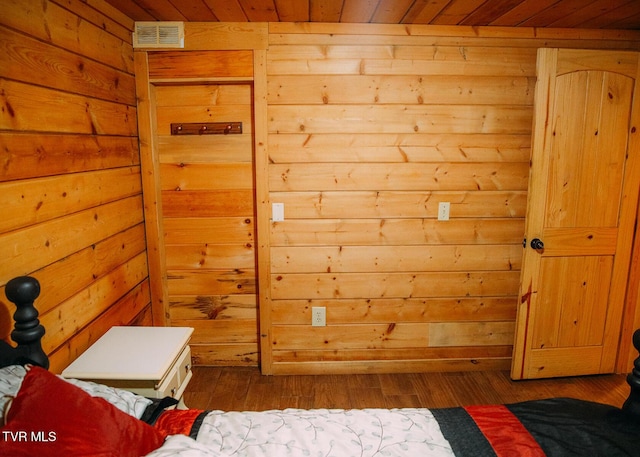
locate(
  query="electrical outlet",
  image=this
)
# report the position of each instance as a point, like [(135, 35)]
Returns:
[(318, 316), (443, 211)]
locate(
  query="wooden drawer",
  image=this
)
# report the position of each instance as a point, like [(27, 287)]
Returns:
[(179, 375)]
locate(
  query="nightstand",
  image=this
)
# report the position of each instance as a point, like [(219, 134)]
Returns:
[(150, 361)]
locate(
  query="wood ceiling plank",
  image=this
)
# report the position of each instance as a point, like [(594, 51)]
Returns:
[(292, 11), (260, 10), (555, 12), (196, 10), (391, 11), (423, 11), (626, 14), (456, 11), (522, 12), (132, 10), (587, 14), (629, 22), (162, 10), (325, 10), (593, 10), (227, 10), (489, 12), (358, 10)]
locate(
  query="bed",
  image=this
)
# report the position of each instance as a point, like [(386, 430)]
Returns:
[(45, 414)]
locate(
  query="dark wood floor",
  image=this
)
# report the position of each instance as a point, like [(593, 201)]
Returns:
[(245, 389)]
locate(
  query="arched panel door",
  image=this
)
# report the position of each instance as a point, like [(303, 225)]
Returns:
[(581, 213)]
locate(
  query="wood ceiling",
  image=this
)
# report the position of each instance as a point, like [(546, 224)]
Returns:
[(610, 14)]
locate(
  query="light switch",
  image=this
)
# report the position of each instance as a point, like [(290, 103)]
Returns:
[(277, 212), (443, 211)]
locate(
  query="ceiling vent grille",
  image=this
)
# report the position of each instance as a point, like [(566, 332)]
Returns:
[(158, 35)]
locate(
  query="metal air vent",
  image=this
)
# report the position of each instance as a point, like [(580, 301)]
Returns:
[(158, 35)]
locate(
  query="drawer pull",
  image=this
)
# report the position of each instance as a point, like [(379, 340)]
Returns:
[(173, 392), (187, 367)]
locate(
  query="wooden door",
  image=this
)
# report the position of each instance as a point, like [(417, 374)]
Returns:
[(581, 211), (207, 188)]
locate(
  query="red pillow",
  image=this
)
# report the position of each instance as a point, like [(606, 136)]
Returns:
[(51, 417)]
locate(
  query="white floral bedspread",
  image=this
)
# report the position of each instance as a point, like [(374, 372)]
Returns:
[(322, 432)]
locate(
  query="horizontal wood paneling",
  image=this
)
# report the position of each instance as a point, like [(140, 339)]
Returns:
[(183, 176), (90, 31), (32, 155), (395, 335), (400, 119), (72, 315), (40, 244), (460, 90), (394, 285), (206, 96), (370, 128), (213, 307), (194, 149), (132, 309), (219, 229), (28, 203), (206, 183), (434, 36), (70, 175), (414, 147), (407, 231), (36, 62), (399, 177), (401, 60), (398, 204), (225, 354), (336, 259), (194, 256), (200, 64), (207, 203), (229, 35), (381, 310), (23, 103), (214, 282)]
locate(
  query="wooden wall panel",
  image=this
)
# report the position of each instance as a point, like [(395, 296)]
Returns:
[(207, 191), (70, 179), (200, 64), (360, 131), (370, 128)]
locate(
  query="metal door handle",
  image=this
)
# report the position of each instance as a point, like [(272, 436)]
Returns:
[(537, 244)]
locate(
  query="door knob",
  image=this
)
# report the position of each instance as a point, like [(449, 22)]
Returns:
[(537, 244)]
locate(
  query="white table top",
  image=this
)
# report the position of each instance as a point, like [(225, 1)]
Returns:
[(131, 353)]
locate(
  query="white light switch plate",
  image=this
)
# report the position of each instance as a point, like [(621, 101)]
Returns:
[(277, 212), (443, 211)]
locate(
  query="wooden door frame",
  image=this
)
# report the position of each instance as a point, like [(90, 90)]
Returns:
[(199, 37), (151, 194)]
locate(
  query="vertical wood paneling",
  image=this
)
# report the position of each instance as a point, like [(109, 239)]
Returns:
[(70, 180)]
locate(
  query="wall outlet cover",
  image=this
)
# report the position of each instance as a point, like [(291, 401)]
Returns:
[(318, 316)]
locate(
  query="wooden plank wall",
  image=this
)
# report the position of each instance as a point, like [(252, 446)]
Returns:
[(370, 128), (70, 178)]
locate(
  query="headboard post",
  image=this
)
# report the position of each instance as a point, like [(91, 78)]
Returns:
[(28, 332), (632, 404)]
